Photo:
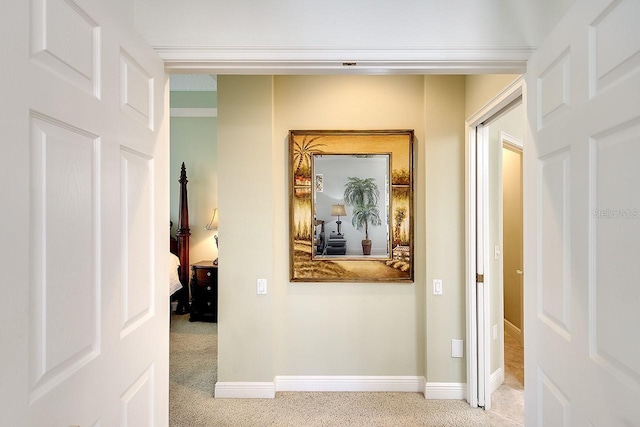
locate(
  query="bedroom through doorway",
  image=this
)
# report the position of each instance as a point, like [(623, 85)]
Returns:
[(193, 344)]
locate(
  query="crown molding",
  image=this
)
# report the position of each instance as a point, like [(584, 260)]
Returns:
[(316, 60)]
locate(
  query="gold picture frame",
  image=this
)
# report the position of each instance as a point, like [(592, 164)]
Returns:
[(323, 252)]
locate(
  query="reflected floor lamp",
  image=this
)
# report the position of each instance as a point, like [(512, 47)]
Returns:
[(213, 226), (338, 210)]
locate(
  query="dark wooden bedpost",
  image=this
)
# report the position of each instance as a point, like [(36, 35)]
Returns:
[(182, 236)]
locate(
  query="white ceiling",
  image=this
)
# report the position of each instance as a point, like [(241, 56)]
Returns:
[(346, 37)]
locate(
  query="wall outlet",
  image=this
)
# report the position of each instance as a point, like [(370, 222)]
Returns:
[(495, 332), (262, 287), (457, 348), (496, 252)]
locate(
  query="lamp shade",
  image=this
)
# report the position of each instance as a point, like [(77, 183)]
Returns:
[(338, 210), (213, 224)]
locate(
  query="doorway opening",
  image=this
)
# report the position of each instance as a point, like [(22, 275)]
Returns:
[(193, 334), (495, 303)]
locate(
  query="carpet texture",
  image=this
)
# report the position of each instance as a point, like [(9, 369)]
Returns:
[(191, 404)]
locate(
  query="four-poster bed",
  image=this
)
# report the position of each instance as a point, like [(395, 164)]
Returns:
[(179, 246)]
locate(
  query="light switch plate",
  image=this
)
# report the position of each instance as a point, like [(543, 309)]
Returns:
[(262, 287), (437, 286)]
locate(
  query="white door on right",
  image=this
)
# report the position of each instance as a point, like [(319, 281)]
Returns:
[(582, 220)]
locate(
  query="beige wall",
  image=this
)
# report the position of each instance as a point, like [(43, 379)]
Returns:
[(246, 198), (481, 89), (445, 201), (348, 328), (512, 226)]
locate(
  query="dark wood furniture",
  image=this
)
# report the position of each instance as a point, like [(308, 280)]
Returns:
[(204, 292), (336, 244), (182, 237)]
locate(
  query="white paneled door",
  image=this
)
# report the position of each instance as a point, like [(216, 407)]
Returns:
[(582, 220), (85, 194)]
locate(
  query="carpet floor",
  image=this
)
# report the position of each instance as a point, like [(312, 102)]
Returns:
[(193, 363)]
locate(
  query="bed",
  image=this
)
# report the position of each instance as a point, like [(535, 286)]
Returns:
[(179, 251)]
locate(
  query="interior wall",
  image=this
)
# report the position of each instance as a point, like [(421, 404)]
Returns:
[(512, 237), (481, 89), (347, 328), (247, 204), (445, 247)]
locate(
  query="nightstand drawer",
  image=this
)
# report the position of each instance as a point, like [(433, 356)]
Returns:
[(204, 292), (206, 288), (205, 275)]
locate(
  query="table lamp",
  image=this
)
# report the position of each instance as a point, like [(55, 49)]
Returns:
[(213, 226)]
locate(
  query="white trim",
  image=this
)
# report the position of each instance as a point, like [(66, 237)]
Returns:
[(501, 101), (350, 383), (511, 140), (470, 249), (483, 310), (245, 390), (497, 379), (513, 330), (329, 60), (450, 391), (194, 112)]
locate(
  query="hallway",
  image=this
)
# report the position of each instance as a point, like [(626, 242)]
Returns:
[(508, 401)]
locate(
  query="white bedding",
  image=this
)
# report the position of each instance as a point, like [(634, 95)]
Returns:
[(174, 280)]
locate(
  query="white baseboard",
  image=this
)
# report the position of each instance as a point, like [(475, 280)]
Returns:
[(450, 391), (350, 383), (410, 384), (512, 330), (496, 380), (245, 390)]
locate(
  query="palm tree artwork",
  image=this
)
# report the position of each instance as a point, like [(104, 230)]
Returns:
[(302, 151), (363, 195), (302, 155)]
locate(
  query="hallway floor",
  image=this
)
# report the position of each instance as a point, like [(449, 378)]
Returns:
[(507, 403)]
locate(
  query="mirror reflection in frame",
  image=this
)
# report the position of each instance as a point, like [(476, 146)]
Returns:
[(357, 224)]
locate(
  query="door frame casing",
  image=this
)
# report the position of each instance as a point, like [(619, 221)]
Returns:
[(479, 350)]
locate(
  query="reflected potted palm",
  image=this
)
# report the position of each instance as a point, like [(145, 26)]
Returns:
[(363, 195)]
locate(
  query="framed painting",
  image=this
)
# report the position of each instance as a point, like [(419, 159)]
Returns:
[(351, 206)]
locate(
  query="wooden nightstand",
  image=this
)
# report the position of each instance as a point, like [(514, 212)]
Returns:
[(204, 292)]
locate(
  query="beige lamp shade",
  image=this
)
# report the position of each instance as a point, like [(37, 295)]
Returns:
[(213, 224), (338, 210)]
